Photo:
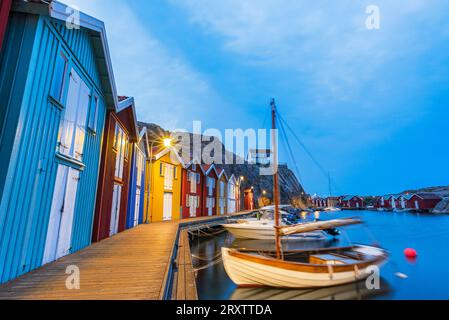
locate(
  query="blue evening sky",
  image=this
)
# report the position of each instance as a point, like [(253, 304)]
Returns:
[(372, 106)]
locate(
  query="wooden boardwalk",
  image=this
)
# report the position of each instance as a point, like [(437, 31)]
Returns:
[(184, 286), (134, 264)]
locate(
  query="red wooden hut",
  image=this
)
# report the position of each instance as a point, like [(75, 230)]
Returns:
[(192, 190), (378, 203), (209, 206), (386, 202), (352, 202), (114, 175), (422, 201)]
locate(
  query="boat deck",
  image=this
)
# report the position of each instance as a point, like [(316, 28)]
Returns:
[(135, 264)]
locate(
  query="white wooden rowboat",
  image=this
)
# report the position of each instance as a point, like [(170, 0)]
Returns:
[(302, 269)]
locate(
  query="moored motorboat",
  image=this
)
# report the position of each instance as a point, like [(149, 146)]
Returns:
[(265, 230), (263, 227), (332, 209)]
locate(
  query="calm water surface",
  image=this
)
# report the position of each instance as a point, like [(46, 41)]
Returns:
[(428, 275)]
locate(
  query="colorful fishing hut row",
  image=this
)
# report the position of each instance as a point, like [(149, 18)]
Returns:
[(75, 167)]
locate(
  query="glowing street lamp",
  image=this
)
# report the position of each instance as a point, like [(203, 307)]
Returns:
[(167, 142)]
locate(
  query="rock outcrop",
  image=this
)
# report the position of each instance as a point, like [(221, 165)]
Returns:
[(442, 207), (291, 190)]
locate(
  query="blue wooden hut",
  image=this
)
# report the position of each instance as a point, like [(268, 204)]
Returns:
[(56, 85), (138, 188)]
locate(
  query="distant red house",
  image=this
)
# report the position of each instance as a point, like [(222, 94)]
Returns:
[(387, 202), (333, 201), (209, 206), (319, 202), (192, 190), (352, 202), (411, 201), (378, 202), (421, 201)]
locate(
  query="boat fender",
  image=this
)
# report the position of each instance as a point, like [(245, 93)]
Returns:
[(410, 253), (401, 275)]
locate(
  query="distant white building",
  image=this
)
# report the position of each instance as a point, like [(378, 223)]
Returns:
[(259, 156)]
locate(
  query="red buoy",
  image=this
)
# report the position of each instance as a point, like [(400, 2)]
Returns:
[(410, 253)]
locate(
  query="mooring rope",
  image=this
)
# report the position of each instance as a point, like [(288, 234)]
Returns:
[(206, 259), (209, 265)]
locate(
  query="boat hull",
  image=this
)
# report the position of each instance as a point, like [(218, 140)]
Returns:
[(247, 273), (268, 233)]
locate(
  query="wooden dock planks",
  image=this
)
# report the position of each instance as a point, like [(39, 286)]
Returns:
[(131, 265), (185, 284)]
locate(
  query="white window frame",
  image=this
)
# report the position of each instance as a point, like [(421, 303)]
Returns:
[(72, 131), (168, 176)]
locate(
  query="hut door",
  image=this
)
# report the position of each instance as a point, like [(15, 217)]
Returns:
[(416, 204), (231, 206), (168, 202), (210, 206), (59, 234), (115, 211), (137, 208), (193, 201)]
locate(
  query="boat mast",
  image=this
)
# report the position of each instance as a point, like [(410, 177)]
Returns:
[(275, 179)]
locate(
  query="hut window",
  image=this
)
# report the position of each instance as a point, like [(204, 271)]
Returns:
[(121, 141), (168, 177), (161, 169), (140, 166), (59, 76), (93, 114), (126, 149), (114, 145), (192, 182), (73, 124), (222, 186)]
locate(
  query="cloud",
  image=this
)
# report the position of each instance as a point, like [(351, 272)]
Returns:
[(347, 90), (167, 88), (325, 43)]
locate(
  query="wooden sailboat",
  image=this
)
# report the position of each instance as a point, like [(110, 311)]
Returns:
[(300, 268)]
